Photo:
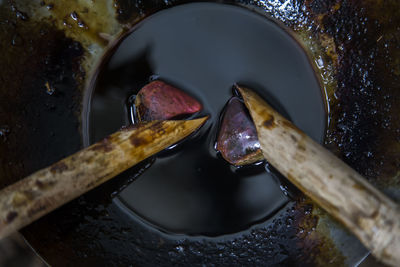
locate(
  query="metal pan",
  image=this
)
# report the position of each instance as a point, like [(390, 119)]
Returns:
[(50, 50)]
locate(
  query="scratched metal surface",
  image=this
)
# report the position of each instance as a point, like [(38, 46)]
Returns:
[(49, 51)]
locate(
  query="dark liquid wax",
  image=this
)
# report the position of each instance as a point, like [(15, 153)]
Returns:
[(204, 49)]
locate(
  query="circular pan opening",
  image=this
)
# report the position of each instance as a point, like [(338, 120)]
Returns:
[(203, 49)]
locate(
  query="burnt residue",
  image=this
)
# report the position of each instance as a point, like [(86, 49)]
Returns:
[(104, 146), (18, 13), (137, 141), (133, 11), (35, 210), (321, 6), (127, 10), (130, 11), (269, 123), (44, 185), (294, 138), (94, 25), (365, 110), (275, 244), (301, 146), (4, 132), (58, 167), (43, 57), (11, 216)]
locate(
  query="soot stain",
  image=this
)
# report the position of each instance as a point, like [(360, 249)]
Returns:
[(36, 209), (104, 145), (294, 138), (39, 184), (138, 141), (269, 123), (59, 167), (41, 55), (366, 119), (43, 185), (157, 127), (11, 216), (301, 146)]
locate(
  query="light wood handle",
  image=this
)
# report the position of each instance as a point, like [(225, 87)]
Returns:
[(341, 191), (49, 188)]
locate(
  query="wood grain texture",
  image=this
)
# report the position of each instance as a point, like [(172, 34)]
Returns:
[(49, 188), (341, 191)]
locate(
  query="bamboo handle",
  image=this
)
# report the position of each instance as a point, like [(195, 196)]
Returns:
[(49, 188), (341, 191)]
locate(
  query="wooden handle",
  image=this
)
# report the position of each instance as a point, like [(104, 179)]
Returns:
[(341, 191), (48, 189)]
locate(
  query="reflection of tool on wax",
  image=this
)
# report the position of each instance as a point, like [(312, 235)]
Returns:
[(49, 188), (341, 191)]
